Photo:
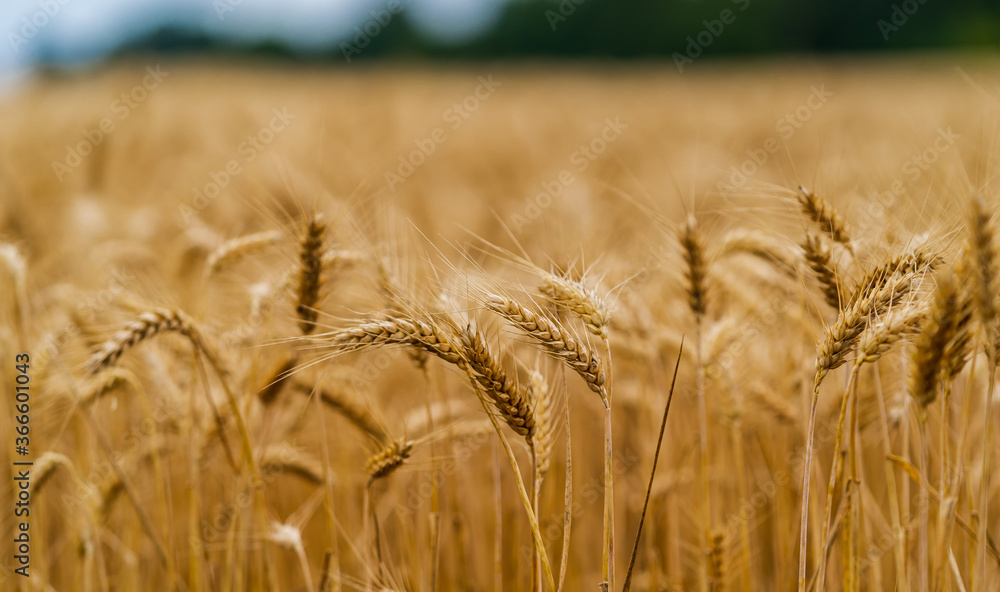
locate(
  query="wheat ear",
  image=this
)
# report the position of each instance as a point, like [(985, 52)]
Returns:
[(760, 245), (695, 269), (577, 298), (507, 396), (18, 269), (234, 250), (106, 382), (348, 404), (397, 330), (45, 467), (286, 459), (554, 340), (822, 212), (982, 253), (148, 325), (820, 260), (387, 459), (310, 273)]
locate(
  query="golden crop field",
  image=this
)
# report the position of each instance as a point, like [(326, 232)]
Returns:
[(417, 328)]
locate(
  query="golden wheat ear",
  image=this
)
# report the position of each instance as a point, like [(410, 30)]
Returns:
[(502, 389), (695, 269), (389, 458), (822, 212), (310, 273), (148, 325), (820, 260), (553, 338), (234, 250)]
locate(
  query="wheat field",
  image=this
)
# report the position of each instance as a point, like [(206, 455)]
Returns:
[(418, 329)]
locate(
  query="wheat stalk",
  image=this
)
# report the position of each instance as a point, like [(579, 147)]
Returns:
[(875, 341)]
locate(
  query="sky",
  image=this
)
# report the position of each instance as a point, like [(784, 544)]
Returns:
[(77, 32)]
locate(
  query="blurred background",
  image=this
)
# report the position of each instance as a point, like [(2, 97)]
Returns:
[(74, 33)]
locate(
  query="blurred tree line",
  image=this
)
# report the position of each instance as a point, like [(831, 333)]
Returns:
[(679, 29)]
